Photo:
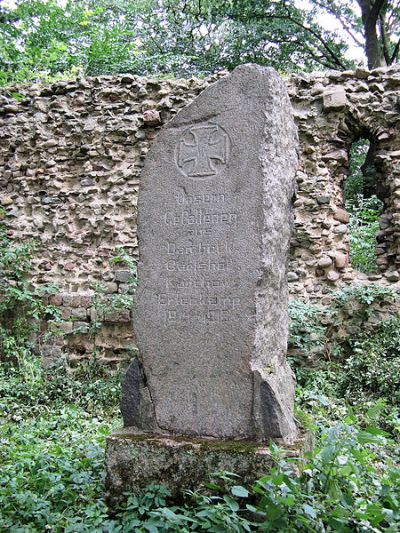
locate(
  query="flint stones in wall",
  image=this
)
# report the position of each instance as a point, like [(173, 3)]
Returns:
[(214, 226)]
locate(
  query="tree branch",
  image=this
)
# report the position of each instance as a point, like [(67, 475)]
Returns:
[(326, 50), (395, 53), (331, 9), (335, 58), (385, 48), (375, 10)]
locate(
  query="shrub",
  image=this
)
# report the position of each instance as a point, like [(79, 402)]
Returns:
[(364, 227), (52, 455), (338, 486), (322, 332), (52, 472), (91, 387), (373, 368), (52, 436), (307, 331)]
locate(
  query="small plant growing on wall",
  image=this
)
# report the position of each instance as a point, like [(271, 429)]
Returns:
[(22, 307), (109, 304), (109, 308)]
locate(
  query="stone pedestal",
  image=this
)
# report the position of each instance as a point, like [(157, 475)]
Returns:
[(135, 459)]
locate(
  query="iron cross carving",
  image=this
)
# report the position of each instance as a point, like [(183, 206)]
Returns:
[(203, 151)]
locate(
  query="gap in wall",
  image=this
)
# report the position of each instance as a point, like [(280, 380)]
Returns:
[(361, 197)]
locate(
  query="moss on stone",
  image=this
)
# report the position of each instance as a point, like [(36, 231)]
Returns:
[(136, 459), (187, 443)]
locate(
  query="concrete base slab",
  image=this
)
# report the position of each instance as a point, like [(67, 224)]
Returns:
[(136, 459)]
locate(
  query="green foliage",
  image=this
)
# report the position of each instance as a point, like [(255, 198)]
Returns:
[(90, 387), (21, 306), (364, 227), (313, 329), (373, 368), (356, 351), (364, 209), (53, 433), (33, 41), (323, 392), (378, 23), (326, 330), (108, 305), (202, 512), (52, 473), (354, 184), (45, 40), (337, 487), (360, 301), (308, 330)]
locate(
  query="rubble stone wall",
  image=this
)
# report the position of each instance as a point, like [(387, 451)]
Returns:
[(70, 160), (333, 111)]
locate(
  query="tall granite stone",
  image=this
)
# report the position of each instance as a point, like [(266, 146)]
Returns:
[(214, 223)]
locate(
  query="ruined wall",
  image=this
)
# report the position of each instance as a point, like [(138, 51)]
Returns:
[(332, 111), (70, 161)]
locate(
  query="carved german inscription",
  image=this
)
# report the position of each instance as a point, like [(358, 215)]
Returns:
[(194, 256), (213, 230), (199, 217)]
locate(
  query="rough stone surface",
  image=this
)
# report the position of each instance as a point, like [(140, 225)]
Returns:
[(334, 98), (134, 460), (152, 117), (342, 216), (214, 224), (71, 156)]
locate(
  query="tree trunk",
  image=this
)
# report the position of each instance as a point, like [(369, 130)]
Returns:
[(373, 49)]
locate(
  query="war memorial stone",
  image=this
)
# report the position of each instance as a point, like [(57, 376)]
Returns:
[(214, 223)]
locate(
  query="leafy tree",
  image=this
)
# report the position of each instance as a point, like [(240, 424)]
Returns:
[(40, 39), (286, 33), (377, 31), (380, 20)]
